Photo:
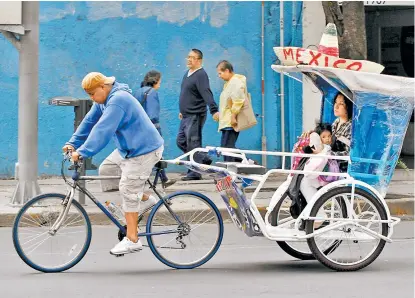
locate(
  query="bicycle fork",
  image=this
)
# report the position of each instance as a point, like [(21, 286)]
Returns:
[(67, 202)]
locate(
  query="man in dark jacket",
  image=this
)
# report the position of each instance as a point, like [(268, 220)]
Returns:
[(195, 95)]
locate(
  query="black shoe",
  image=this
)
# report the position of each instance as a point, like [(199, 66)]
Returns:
[(190, 178), (168, 183)]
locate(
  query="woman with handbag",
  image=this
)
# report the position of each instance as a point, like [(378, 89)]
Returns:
[(233, 102)]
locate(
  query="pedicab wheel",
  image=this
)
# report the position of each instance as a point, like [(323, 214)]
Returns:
[(298, 250), (45, 251), (357, 249), (185, 238)]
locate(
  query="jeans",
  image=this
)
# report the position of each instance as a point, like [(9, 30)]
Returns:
[(190, 137), (163, 175), (228, 140)]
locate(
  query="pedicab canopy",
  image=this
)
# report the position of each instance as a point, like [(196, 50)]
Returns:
[(383, 106)]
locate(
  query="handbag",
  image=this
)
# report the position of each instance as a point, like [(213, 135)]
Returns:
[(246, 117)]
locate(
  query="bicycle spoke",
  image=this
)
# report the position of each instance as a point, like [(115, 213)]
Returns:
[(45, 249), (356, 244), (36, 245), (195, 246)]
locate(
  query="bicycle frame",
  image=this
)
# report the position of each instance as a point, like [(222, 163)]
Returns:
[(75, 185), (246, 215)]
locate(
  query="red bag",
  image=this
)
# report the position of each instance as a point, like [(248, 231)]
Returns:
[(299, 148)]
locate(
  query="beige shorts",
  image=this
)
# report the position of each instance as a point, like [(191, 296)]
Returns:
[(134, 173)]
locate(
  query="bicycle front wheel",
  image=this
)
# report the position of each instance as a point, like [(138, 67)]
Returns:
[(197, 230), (45, 251)]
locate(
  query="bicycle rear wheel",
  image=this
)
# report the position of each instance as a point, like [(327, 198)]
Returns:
[(42, 250), (358, 249), (198, 234), (299, 249)]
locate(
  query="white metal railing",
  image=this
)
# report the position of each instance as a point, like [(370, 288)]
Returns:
[(262, 179)]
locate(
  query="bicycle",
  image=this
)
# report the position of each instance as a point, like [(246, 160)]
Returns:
[(50, 222)]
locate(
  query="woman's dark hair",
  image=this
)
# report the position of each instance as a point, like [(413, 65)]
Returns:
[(322, 127), (151, 78), (224, 64), (348, 102)]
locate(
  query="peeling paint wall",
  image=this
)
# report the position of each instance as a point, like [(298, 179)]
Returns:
[(126, 39)]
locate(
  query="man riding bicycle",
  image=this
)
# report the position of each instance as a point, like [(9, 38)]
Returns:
[(118, 115)]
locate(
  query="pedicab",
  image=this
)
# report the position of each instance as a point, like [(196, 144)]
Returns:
[(344, 225), (347, 223)]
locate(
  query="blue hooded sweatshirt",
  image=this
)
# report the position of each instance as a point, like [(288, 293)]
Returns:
[(122, 118)]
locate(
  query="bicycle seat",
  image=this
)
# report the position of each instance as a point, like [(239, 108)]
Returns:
[(161, 165), (241, 168)]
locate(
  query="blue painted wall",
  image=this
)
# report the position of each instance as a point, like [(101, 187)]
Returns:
[(126, 39)]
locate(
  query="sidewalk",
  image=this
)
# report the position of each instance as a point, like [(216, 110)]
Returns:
[(400, 197)]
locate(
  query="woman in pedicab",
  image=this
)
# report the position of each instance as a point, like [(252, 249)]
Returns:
[(300, 188), (340, 146)]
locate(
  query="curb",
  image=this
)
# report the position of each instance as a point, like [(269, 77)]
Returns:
[(402, 208)]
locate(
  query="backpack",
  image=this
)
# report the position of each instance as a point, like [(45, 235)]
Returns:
[(331, 166), (299, 148), (145, 97)]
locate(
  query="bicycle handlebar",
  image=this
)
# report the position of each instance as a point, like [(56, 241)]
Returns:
[(67, 156)]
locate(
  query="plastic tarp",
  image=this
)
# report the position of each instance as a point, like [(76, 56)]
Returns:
[(383, 106)]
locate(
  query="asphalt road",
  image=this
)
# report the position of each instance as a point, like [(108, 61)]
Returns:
[(243, 267)]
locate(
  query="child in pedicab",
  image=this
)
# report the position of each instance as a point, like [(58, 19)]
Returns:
[(302, 187), (324, 130)]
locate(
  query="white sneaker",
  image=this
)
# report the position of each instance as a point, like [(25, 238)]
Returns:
[(147, 204), (126, 246)]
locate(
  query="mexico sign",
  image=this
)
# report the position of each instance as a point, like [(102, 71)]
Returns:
[(292, 56)]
